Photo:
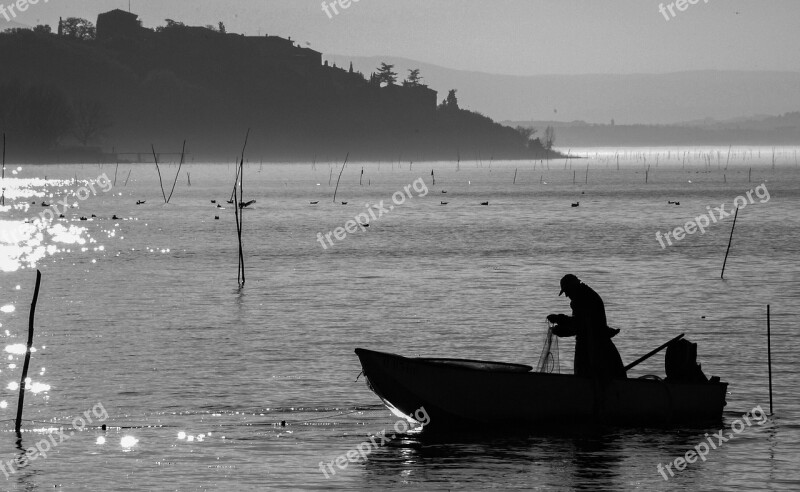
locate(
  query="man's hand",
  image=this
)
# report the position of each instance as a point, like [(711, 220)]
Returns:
[(552, 318), (557, 318)]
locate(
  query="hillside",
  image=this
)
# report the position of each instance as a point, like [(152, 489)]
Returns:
[(142, 86)]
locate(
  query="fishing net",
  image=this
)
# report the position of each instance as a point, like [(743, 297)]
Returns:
[(548, 360)]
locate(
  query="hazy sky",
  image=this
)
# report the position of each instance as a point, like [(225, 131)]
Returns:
[(524, 37)]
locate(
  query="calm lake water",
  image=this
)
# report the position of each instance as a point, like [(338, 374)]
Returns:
[(140, 318)]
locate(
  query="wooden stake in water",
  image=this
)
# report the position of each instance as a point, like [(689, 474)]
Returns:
[(515, 175), (722, 275), (3, 196), (22, 383), (728, 160), (183, 151), (238, 197), (769, 362), (340, 177), (161, 183)]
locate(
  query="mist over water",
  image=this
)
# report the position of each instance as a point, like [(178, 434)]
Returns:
[(143, 314)]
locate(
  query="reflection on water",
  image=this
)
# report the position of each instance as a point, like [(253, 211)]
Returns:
[(593, 460), (197, 376), (42, 227)]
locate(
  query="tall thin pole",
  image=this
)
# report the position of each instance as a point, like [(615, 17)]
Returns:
[(183, 152), (238, 198), (160, 183), (3, 196), (22, 384), (235, 181), (236, 212), (722, 275), (340, 177), (769, 362)]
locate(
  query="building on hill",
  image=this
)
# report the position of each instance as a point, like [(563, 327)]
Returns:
[(118, 23)]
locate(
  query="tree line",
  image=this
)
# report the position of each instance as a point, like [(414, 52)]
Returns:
[(42, 117)]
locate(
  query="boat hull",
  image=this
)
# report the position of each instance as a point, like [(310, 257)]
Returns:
[(485, 393)]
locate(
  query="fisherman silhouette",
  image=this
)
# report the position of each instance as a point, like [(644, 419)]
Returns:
[(595, 353)]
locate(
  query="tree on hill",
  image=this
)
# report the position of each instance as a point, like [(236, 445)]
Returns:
[(413, 79), (43, 29), (451, 102), (38, 115), (526, 132), (549, 137), (222, 28), (75, 27), (385, 74), (90, 122)]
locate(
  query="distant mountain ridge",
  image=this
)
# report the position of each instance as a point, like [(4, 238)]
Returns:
[(758, 130), (599, 98)]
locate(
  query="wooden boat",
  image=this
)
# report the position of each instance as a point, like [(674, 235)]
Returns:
[(461, 393)]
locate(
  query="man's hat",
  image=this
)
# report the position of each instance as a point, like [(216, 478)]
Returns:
[(567, 280)]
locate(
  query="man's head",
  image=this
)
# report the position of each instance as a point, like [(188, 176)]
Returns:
[(569, 283)]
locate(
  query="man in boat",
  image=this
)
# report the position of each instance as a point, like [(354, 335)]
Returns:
[(595, 353)]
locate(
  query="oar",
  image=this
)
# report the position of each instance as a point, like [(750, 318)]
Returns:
[(651, 353)]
